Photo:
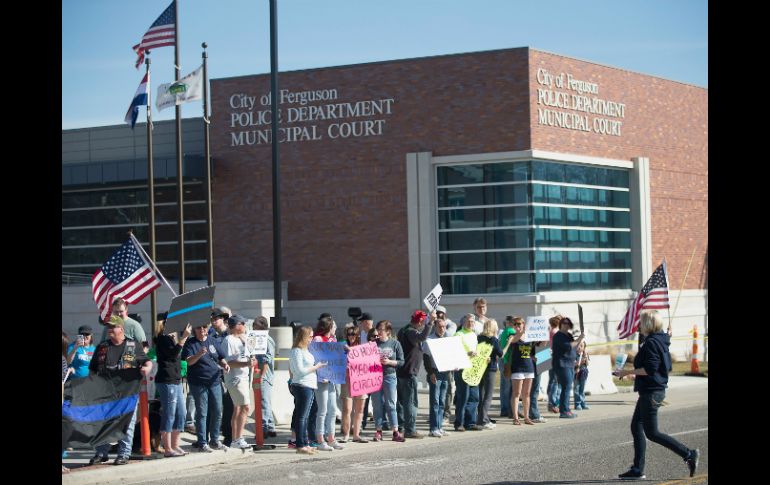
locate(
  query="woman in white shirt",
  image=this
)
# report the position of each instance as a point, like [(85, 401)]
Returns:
[(304, 382)]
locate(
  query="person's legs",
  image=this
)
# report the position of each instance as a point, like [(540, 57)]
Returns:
[(311, 419), (214, 393), (461, 399), (580, 390), (487, 392), (472, 406), (389, 398), (554, 389), (534, 413), (200, 395), (331, 412), (525, 387), (433, 405), (124, 444), (450, 391), (321, 397), (179, 419), (227, 417), (358, 410), (505, 393), (516, 385), (649, 415), (167, 414), (409, 403), (189, 405), (304, 400), (565, 376), (379, 409), (347, 408), (268, 426), (442, 382), (402, 397), (637, 431)]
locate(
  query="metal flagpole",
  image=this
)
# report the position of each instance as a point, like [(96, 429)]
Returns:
[(278, 320), (150, 191), (687, 271), (151, 262), (179, 185), (206, 123)]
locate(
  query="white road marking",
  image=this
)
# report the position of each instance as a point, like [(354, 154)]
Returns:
[(672, 434)]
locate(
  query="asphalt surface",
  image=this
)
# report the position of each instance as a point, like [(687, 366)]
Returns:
[(592, 449)]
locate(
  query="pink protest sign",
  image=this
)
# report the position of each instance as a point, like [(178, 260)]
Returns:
[(365, 369)]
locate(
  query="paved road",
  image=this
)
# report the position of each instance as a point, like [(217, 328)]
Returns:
[(593, 449)]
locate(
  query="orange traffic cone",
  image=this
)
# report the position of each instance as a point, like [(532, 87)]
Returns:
[(694, 369)]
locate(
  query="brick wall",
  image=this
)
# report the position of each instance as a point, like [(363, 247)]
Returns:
[(665, 121)]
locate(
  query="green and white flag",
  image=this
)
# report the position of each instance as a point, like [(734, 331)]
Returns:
[(189, 88)]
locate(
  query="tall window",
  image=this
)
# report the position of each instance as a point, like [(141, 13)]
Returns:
[(533, 226)]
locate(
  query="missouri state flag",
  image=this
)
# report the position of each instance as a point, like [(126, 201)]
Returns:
[(140, 99), (97, 409)]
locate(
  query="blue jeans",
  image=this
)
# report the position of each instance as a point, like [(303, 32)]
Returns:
[(384, 402), (207, 398), (190, 403), (565, 375), (407, 397), (172, 407), (437, 393), (467, 400), (326, 397), (303, 400), (267, 406), (645, 423), (124, 445), (505, 392), (580, 391), (554, 389)]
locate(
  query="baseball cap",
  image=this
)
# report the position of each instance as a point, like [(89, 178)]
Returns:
[(116, 321), (418, 316), (440, 308), (85, 329), (235, 320), (365, 316)]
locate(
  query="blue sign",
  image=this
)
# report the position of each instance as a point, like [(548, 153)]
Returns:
[(333, 353)]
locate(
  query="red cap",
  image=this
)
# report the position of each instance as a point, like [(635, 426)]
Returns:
[(419, 316)]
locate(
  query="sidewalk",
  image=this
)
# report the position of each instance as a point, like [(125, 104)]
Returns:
[(138, 470)]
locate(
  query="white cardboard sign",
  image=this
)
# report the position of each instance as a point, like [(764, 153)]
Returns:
[(448, 353), (537, 330), (434, 297), (256, 342)]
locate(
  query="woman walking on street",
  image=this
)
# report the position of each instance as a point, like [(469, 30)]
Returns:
[(651, 367)]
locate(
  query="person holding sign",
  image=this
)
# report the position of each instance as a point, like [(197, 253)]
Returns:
[(467, 397), (384, 400), (411, 341), (487, 384), (354, 404), (581, 376), (168, 381), (564, 358), (651, 367), (237, 379), (304, 381), (326, 393), (522, 371), (438, 382)]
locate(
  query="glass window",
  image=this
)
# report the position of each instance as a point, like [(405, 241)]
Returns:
[(572, 236)]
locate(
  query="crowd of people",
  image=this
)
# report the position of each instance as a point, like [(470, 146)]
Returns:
[(219, 375)]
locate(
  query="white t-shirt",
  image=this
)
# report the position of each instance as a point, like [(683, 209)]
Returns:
[(235, 349)]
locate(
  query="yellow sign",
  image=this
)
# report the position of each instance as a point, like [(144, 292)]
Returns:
[(473, 374)]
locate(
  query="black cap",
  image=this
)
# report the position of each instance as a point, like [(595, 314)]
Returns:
[(324, 315), (85, 329), (365, 316)]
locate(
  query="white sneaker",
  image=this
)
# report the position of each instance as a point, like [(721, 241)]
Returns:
[(240, 443), (334, 444), (324, 447), (539, 420), (489, 426), (435, 433), (444, 433)]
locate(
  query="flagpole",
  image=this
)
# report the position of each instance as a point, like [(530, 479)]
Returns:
[(278, 319), (179, 185), (152, 263), (687, 271), (206, 123), (150, 193)]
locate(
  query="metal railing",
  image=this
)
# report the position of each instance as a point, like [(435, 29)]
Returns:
[(68, 279)]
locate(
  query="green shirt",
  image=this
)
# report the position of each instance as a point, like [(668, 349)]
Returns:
[(507, 332)]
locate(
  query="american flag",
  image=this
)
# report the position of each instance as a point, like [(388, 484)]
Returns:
[(162, 33), (125, 275), (654, 296)]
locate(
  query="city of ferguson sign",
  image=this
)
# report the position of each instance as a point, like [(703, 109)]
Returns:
[(586, 110), (326, 118)]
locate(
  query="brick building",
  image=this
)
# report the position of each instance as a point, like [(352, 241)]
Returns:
[(533, 179)]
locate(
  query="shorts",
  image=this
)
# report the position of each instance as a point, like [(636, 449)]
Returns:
[(345, 393), (520, 376), (240, 392)]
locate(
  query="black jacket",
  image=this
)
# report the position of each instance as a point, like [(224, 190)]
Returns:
[(655, 358)]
